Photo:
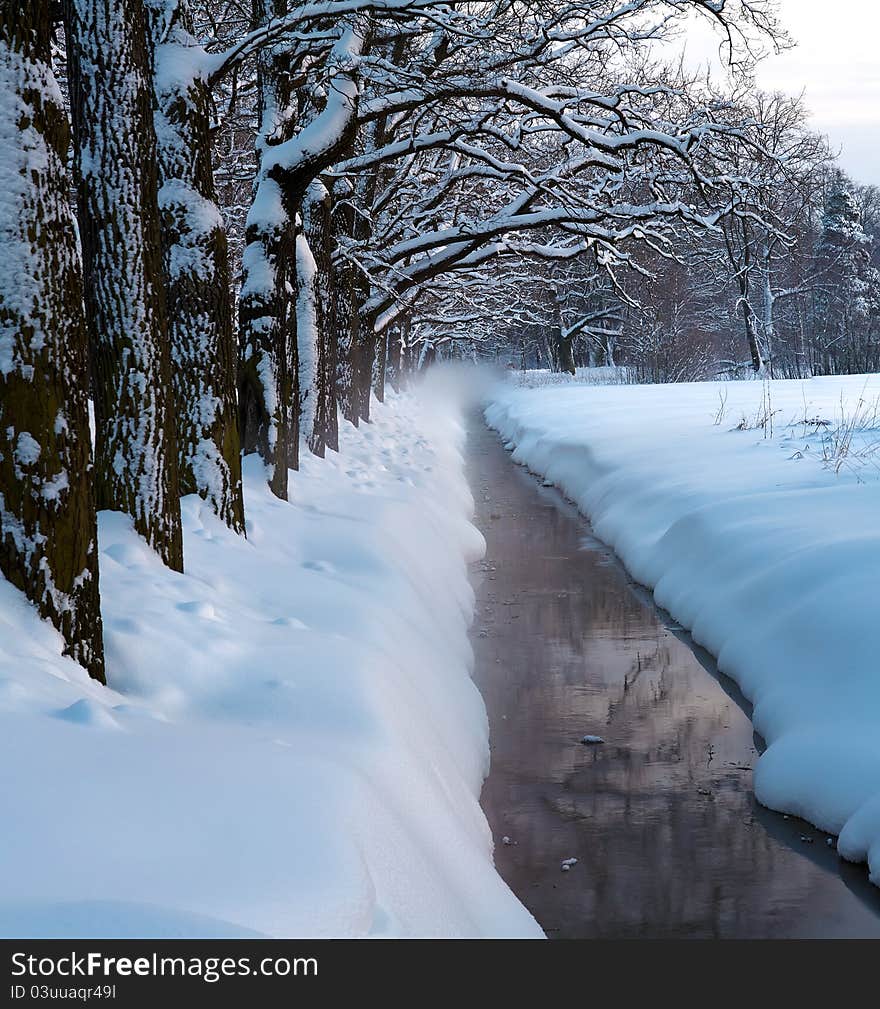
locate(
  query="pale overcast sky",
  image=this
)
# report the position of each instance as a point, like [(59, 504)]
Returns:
[(837, 64)]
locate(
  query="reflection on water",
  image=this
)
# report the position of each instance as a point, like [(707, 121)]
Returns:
[(661, 817)]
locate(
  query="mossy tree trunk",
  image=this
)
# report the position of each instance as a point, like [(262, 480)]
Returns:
[(48, 534), (115, 156), (196, 265)]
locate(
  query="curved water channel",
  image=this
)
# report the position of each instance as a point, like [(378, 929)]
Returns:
[(661, 817)]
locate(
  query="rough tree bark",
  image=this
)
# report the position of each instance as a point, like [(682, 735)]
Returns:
[(268, 367), (48, 533), (366, 359), (743, 267), (347, 318), (196, 262), (323, 432), (307, 329), (379, 368), (393, 365), (265, 389), (115, 157), (562, 351), (751, 329), (299, 141), (363, 349)]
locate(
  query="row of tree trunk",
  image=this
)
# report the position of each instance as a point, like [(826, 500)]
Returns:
[(142, 322)]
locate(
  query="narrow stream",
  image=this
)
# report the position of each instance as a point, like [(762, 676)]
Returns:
[(669, 839)]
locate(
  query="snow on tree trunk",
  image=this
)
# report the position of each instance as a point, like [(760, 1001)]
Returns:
[(111, 98), (364, 374), (297, 147), (348, 341), (321, 305), (266, 313), (393, 365), (768, 302), (347, 318), (751, 330), (379, 368), (307, 337), (196, 260), (562, 348), (48, 534), (407, 353), (265, 317), (564, 354)]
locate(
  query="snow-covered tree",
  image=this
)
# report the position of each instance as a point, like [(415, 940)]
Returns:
[(267, 317), (48, 534), (111, 88), (196, 263), (848, 302)]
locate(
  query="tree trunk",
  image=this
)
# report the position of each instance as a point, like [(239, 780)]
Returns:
[(307, 335), (48, 532), (364, 375), (769, 302), (748, 313), (393, 366), (196, 261), (266, 311), (427, 356), (407, 354), (562, 347), (563, 354), (751, 331), (347, 325), (379, 367), (270, 412), (267, 317), (324, 431), (111, 99)]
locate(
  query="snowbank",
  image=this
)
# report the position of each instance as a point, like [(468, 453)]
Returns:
[(293, 745), (764, 543)]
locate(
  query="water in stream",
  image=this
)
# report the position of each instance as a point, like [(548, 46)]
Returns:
[(669, 839)]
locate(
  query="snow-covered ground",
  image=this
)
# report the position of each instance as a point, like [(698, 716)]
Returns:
[(753, 510), (293, 745)]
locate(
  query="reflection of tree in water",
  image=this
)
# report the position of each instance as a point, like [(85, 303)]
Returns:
[(667, 840)]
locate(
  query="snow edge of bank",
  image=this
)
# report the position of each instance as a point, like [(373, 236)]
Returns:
[(292, 745)]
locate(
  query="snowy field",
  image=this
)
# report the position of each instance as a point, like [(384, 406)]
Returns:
[(535, 378), (293, 745), (753, 510)]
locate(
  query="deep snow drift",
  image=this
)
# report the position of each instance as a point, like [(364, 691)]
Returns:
[(764, 543), (293, 745)]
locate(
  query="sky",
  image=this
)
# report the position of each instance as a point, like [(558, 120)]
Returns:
[(837, 64)]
